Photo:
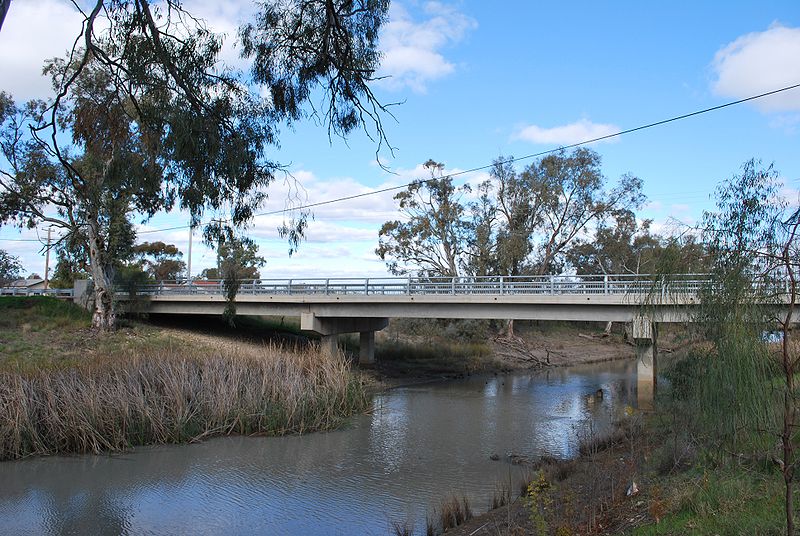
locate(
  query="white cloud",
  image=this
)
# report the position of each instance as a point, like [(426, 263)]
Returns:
[(33, 31), (36, 30), (759, 62), (412, 50), (576, 132)]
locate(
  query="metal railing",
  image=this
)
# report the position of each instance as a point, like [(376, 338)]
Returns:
[(414, 286), (22, 291)]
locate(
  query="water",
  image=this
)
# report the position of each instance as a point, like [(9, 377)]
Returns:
[(420, 444)]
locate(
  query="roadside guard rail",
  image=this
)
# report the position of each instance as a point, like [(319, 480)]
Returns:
[(21, 291), (413, 286)]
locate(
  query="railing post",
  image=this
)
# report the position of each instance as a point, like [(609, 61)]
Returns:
[(289, 288), (453, 285), (408, 288), (552, 284), (501, 285), (327, 286), (366, 287), (605, 284)]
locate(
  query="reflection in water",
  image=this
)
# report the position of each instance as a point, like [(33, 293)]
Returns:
[(420, 444)]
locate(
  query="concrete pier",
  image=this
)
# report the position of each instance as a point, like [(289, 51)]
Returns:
[(645, 335), (366, 354), (330, 327)]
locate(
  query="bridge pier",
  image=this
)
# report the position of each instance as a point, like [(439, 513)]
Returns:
[(330, 327), (645, 335), (328, 344), (366, 352)]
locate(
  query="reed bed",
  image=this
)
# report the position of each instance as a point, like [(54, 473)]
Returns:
[(173, 396)]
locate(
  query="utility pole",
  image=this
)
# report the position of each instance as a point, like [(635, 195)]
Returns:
[(47, 261), (189, 262)]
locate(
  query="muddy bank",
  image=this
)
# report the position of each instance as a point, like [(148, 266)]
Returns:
[(604, 491)]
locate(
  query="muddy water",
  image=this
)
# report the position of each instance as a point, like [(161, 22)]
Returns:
[(419, 444)]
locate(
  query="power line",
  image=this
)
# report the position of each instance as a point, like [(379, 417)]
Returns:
[(509, 160)]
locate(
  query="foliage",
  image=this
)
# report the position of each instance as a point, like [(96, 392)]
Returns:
[(68, 270), (159, 260), (145, 117), (302, 45), (237, 260), (521, 223), (10, 268), (431, 236), (173, 394), (626, 247), (752, 242), (538, 499)]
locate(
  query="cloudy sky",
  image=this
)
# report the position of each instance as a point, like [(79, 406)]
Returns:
[(477, 81)]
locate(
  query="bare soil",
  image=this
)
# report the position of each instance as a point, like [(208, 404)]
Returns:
[(592, 494)]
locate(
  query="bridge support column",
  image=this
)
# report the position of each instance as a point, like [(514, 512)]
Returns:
[(328, 345), (330, 327), (366, 352), (645, 335)]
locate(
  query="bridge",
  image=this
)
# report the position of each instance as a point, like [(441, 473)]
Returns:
[(333, 306)]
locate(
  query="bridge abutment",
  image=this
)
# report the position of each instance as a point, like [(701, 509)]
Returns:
[(645, 336)]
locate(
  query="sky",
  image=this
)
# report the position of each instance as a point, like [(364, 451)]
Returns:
[(477, 80)]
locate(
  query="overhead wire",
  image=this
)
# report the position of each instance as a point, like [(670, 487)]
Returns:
[(504, 161), (508, 160)]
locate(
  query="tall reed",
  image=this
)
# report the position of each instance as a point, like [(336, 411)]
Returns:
[(172, 396)]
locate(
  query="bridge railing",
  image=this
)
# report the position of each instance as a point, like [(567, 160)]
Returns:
[(22, 291), (399, 286)]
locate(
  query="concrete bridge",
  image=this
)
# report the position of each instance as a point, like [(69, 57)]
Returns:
[(331, 306)]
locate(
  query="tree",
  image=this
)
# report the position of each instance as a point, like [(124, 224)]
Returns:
[(753, 236), (754, 249), (522, 223), (210, 274), (576, 198), (237, 260), (68, 270), (161, 261), (10, 268), (481, 246), (145, 118), (431, 237), (626, 247), (521, 201)]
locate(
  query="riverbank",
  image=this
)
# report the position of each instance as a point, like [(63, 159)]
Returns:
[(65, 388), (652, 474)]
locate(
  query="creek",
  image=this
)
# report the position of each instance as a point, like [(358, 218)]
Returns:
[(419, 445)]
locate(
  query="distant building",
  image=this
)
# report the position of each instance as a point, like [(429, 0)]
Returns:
[(30, 284)]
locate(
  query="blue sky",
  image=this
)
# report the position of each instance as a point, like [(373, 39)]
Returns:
[(478, 81)]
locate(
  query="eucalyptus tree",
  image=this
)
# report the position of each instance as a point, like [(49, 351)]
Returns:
[(619, 246), (576, 198), (159, 260), (237, 260), (431, 236), (145, 118)]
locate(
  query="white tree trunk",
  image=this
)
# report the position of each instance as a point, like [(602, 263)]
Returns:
[(104, 317)]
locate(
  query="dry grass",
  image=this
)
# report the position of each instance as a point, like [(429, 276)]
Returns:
[(454, 512), (172, 395)]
